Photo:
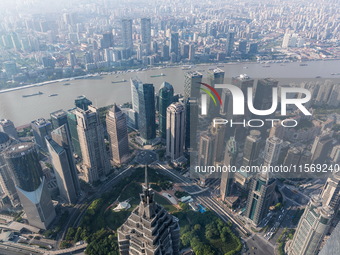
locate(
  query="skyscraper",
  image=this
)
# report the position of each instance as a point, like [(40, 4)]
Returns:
[(219, 132), (72, 126), (191, 111), (118, 135), (58, 118), (312, 227), (22, 160), (41, 128), (82, 102), (192, 52), (91, 139), (143, 102), (127, 34), (165, 52), (272, 151), (175, 130), (107, 40), (174, 44), (263, 99), (321, 148), (135, 83), (242, 47), (166, 94), (206, 149), (184, 51), (230, 43), (243, 82), (262, 189), (227, 176), (8, 127), (149, 229), (192, 84), (252, 148), (59, 147), (146, 33), (297, 155), (330, 194), (6, 182), (215, 76)]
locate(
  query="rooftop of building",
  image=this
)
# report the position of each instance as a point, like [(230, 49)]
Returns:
[(40, 122), (58, 113)]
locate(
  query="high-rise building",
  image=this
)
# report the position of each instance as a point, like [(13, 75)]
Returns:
[(253, 48), (219, 132), (41, 128), (165, 52), (82, 102), (312, 227), (215, 76), (58, 118), (149, 229), (335, 154), (72, 126), (227, 176), (174, 44), (175, 131), (8, 127), (261, 193), (277, 130), (251, 149), (146, 33), (143, 103), (91, 139), (192, 52), (184, 51), (116, 125), (127, 34), (297, 155), (59, 147), (106, 41), (230, 43), (9, 193), (321, 148), (263, 99), (206, 149), (272, 151), (331, 192), (192, 84), (243, 81), (226, 109), (166, 94), (72, 59), (23, 163), (242, 47), (135, 83), (191, 111)]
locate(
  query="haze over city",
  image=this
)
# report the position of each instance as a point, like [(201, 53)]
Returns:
[(127, 127)]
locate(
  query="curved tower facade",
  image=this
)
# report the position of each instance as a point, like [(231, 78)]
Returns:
[(23, 164)]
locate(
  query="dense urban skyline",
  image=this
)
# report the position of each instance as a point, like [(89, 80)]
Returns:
[(174, 162)]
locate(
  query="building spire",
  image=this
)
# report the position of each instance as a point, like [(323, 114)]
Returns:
[(146, 178)]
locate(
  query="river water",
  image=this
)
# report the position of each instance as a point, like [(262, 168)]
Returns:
[(103, 92)]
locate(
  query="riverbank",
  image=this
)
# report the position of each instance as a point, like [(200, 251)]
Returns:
[(186, 67)]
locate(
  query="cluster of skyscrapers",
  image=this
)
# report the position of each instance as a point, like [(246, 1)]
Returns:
[(74, 136)]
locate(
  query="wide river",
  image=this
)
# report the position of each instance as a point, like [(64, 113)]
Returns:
[(103, 92)]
